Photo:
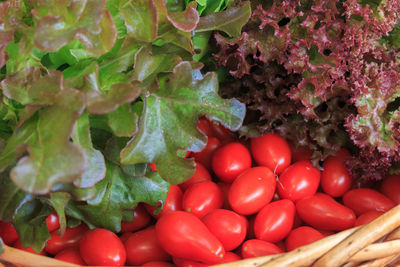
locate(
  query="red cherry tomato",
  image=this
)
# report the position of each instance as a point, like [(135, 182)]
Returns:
[(274, 222), (152, 166), (184, 235), (71, 238), (202, 198), (252, 190), (298, 181), (8, 233), (189, 263), (125, 236), (302, 236), (222, 133), (141, 218), (225, 187), (71, 255), (391, 188), (205, 156), (272, 151), (335, 179), (18, 245), (52, 221), (231, 160), (143, 246), (231, 257), (367, 217), (281, 245), (256, 248), (205, 127), (200, 175), (229, 227), (177, 261), (323, 212), (158, 264), (172, 203), (102, 247), (300, 153), (364, 199)]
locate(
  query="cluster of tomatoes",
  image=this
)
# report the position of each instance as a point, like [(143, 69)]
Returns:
[(246, 199)]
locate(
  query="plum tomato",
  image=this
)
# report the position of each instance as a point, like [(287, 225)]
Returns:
[(71, 255), (200, 175), (71, 238), (157, 264), (202, 198), (18, 245), (225, 187), (184, 235), (362, 200), (52, 221), (229, 227), (231, 257), (298, 181), (230, 160), (222, 133), (8, 233), (102, 247), (172, 203), (274, 222), (141, 218), (252, 190), (302, 236), (367, 217), (205, 156), (390, 187), (142, 247), (321, 211), (205, 127), (272, 151), (125, 236), (256, 248), (300, 153), (335, 178)]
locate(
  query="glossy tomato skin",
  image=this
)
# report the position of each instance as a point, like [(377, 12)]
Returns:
[(302, 236), (367, 217), (298, 181), (272, 151), (335, 178), (52, 221), (142, 247), (364, 199), (231, 257), (200, 175), (252, 190), (173, 202), (102, 247), (202, 198), (141, 218), (125, 236), (18, 245), (205, 156), (256, 248), (229, 227), (274, 222), (71, 255), (189, 263), (8, 233), (184, 235), (158, 264), (390, 187), (323, 212), (71, 238), (230, 160)]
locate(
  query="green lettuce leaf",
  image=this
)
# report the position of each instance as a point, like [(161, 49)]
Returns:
[(229, 21), (116, 194), (169, 120)]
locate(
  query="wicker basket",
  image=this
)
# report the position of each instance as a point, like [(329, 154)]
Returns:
[(374, 244)]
